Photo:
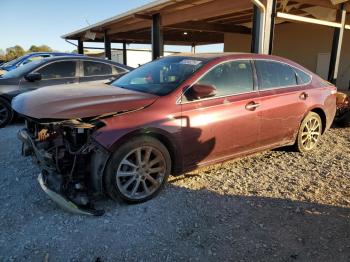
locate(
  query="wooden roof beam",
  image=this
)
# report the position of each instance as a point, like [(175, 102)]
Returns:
[(205, 11), (323, 3), (170, 36), (210, 27)]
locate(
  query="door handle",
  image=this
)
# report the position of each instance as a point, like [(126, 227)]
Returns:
[(303, 96), (251, 106)]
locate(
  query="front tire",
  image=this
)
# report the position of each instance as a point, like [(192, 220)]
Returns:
[(309, 134), (6, 113), (138, 170)]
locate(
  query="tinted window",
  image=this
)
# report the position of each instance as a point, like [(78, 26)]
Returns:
[(274, 74), (119, 70), (58, 70), (302, 77), (96, 69), (230, 78)]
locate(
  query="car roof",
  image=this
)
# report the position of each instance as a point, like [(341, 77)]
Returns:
[(239, 55), (84, 58), (50, 53), (211, 56)]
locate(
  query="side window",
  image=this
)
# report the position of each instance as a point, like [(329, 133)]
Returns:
[(58, 70), (274, 74), (118, 70), (96, 69), (230, 78), (302, 77)]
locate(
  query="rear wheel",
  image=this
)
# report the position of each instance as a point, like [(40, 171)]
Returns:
[(137, 170), (309, 134), (6, 112)]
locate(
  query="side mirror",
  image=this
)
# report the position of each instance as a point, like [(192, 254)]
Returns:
[(199, 91), (32, 77)]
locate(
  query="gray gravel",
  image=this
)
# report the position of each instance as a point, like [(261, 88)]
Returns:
[(273, 206)]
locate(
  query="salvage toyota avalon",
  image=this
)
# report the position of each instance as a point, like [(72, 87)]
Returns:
[(168, 117)]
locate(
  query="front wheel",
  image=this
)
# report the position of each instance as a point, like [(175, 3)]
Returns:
[(6, 113), (310, 132), (138, 170)]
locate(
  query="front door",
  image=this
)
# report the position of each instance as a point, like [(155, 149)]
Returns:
[(55, 73), (218, 127)]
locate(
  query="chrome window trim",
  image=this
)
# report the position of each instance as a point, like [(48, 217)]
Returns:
[(97, 75), (179, 102)]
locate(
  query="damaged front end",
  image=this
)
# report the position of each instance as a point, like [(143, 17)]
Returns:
[(72, 162)]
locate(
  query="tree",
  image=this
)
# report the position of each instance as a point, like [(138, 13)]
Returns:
[(14, 52), (2, 55), (42, 48)]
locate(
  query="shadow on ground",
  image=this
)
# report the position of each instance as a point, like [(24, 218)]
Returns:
[(183, 224)]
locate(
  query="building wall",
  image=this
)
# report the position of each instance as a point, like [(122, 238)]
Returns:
[(302, 43)]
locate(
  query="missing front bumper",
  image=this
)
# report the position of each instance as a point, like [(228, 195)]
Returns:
[(63, 201)]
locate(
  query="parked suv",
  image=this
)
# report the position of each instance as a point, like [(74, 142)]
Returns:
[(168, 117), (54, 71)]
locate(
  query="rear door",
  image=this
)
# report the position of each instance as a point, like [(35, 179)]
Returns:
[(282, 97), (221, 126), (94, 71)]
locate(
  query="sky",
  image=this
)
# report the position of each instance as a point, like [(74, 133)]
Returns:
[(38, 22)]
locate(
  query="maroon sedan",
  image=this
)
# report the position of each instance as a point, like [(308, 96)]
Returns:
[(168, 117)]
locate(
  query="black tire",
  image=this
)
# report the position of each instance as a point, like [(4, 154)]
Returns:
[(114, 187), (343, 121), (309, 134), (6, 113)]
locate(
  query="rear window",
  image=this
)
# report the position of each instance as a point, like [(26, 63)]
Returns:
[(273, 74), (302, 77), (119, 70), (96, 69)]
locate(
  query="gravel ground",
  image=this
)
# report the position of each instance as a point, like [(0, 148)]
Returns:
[(273, 206)]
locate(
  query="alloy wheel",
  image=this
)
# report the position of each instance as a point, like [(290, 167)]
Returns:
[(311, 133), (141, 172)]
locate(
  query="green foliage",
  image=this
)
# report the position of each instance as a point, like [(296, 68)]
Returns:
[(2, 55), (41, 48), (17, 51), (14, 52)]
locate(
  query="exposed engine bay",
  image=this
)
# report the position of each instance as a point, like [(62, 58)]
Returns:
[(71, 161)]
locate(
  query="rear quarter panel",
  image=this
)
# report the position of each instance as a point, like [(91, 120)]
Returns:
[(323, 95)]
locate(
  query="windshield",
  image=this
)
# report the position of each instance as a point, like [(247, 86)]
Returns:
[(14, 61), (162, 76), (22, 70)]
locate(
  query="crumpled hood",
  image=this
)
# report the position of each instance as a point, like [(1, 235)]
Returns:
[(79, 101)]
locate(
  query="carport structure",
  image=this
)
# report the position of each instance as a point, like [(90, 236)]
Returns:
[(201, 22)]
